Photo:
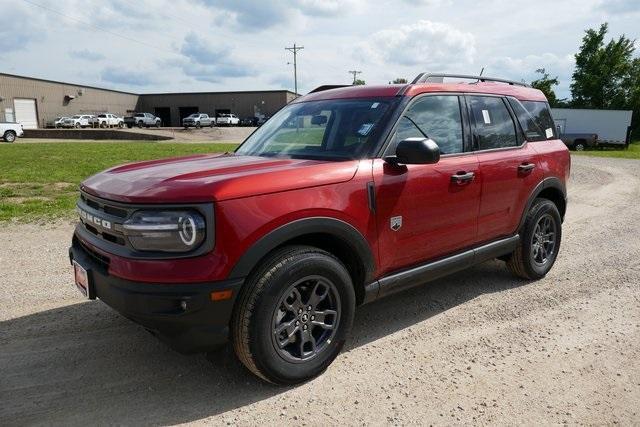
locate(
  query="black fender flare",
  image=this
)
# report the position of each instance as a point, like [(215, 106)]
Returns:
[(551, 182), (342, 230)]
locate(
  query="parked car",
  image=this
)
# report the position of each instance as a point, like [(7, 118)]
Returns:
[(55, 123), (580, 141), (379, 189), (142, 120), (249, 121), (78, 121), (227, 120), (10, 131), (198, 120), (107, 120)]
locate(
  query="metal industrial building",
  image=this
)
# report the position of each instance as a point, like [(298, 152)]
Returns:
[(36, 102)]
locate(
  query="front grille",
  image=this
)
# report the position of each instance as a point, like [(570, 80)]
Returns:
[(108, 212)]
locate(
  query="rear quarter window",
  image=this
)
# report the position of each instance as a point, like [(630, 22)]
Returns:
[(535, 119)]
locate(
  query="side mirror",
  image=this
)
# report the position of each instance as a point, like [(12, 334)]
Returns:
[(318, 120), (415, 151)]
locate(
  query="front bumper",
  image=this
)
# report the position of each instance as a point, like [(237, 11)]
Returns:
[(182, 315)]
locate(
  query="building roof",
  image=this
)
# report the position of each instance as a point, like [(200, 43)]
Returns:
[(65, 83), (145, 94)]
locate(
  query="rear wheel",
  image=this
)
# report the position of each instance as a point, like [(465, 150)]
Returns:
[(294, 315), (579, 146), (9, 136), (539, 241), (197, 125)]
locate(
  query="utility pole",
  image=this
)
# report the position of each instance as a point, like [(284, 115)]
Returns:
[(295, 50), (355, 75)]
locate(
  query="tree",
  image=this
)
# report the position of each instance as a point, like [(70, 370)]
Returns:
[(400, 80), (602, 70), (545, 83), (359, 82)]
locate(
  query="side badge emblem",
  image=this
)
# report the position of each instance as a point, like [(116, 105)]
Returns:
[(396, 223)]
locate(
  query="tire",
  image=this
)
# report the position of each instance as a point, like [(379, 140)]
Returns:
[(269, 301), (211, 124), (532, 259), (9, 136), (120, 125), (103, 125), (140, 124), (579, 146), (77, 125), (197, 125), (157, 124)]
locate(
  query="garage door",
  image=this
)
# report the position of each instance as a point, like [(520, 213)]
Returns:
[(25, 110)]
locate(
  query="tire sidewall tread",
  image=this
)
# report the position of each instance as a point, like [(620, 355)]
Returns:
[(254, 309)]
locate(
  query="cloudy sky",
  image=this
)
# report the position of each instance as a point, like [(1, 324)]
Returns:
[(207, 45)]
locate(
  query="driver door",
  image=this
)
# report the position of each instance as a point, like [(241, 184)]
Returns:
[(425, 212)]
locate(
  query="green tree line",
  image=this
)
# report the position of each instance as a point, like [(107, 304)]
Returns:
[(606, 76)]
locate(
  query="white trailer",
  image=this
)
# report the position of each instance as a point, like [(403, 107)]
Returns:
[(613, 127)]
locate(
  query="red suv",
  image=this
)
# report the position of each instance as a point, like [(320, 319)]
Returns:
[(345, 196)]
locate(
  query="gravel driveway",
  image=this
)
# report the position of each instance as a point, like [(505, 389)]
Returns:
[(476, 347)]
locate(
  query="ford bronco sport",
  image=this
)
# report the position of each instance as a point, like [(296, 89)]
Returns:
[(345, 196)]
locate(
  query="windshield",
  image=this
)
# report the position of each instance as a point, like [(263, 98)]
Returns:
[(329, 129), (193, 116), (76, 117)]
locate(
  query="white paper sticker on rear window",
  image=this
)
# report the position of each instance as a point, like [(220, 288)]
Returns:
[(485, 116), (549, 133)]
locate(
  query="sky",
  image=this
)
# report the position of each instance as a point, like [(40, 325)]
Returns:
[(150, 46)]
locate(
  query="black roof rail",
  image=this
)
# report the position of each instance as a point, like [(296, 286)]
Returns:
[(438, 78), (327, 87)]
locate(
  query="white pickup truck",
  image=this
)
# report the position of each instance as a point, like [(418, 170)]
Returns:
[(10, 131), (227, 120), (107, 120)]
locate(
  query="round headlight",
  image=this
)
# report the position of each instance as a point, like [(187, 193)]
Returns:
[(165, 231)]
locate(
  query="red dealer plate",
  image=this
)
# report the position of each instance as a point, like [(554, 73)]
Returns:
[(81, 279)]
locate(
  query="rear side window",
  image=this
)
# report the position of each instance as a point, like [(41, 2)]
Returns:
[(435, 117), (541, 114), (494, 127)]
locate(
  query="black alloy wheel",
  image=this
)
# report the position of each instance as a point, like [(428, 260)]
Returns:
[(305, 320)]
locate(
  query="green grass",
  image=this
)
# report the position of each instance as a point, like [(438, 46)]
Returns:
[(633, 152), (40, 180)]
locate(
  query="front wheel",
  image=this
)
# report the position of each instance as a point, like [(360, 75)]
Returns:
[(579, 146), (294, 315), (9, 136), (539, 241)]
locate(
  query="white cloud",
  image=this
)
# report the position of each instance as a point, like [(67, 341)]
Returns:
[(429, 44)]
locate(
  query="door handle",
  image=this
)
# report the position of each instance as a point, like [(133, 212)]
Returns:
[(526, 167), (463, 177)]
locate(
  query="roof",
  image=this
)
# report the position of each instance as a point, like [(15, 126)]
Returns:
[(520, 92), (218, 92), (64, 83), (143, 94)]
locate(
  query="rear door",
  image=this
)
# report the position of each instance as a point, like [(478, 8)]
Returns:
[(424, 212), (509, 166)]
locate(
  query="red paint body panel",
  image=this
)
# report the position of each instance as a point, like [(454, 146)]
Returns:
[(505, 190), (208, 178), (438, 216)]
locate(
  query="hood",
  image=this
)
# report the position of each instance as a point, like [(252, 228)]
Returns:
[(206, 178)]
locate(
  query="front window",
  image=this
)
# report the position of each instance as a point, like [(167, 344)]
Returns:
[(329, 129)]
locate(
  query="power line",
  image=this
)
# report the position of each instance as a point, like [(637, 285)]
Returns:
[(95, 27), (295, 50), (355, 74)]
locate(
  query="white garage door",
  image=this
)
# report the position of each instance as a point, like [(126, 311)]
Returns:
[(25, 110)]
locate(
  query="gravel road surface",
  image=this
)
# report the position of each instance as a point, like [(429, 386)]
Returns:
[(477, 347)]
